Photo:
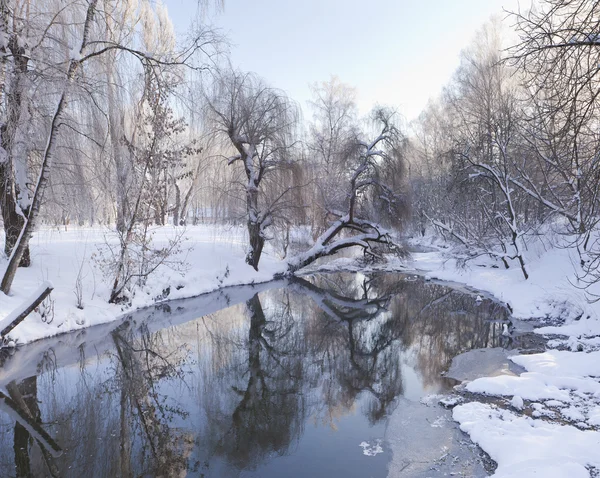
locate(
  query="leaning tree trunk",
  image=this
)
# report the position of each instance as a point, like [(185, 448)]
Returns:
[(24, 398), (32, 219)]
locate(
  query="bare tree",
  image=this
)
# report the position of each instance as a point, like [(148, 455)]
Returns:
[(351, 228), (558, 54), (482, 104), (332, 136), (92, 44), (259, 124)]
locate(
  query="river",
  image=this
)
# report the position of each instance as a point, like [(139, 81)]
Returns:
[(324, 376)]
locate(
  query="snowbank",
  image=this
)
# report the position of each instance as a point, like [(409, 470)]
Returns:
[(526, 447), (214, 257), (546, 420)]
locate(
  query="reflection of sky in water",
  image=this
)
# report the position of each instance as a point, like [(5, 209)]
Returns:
[(272, 386), (413, 385)]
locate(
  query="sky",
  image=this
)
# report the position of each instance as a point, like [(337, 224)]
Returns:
[(396, 53)]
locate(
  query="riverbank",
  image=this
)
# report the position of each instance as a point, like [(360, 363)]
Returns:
[(544, 421), (210, 257)]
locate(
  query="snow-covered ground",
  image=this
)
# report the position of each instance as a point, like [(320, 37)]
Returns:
[(544, 422), (213, 257)]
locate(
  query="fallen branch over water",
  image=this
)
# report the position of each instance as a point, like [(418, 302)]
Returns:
[(18, 315)]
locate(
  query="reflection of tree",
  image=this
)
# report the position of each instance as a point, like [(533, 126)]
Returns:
[(361, 326), (22, 438), (263, 370), (439, 323), (269, 414), (144, 361), (22, 404), (367, 360)]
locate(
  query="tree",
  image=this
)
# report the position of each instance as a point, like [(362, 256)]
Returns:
[(333, 134), (259, 124), (15, 199), (558, 55), (154, 157), (482, 103), (48, 156), (364, 181), (93, 44), (429, 166)]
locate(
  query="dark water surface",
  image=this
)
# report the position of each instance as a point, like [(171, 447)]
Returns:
[(286, 379)]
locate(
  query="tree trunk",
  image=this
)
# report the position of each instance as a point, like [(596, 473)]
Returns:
[(186, 199), (257, 241), (14, 166), (19, 314), (119, 157), (31, 222), (177, 207), (13, 221)]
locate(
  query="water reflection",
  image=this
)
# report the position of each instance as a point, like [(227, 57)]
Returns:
[(266, 411), (229, 392)]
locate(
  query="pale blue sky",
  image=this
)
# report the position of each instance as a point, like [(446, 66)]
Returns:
[(395, 52)]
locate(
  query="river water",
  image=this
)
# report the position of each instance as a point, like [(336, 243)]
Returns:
[(319, 377)]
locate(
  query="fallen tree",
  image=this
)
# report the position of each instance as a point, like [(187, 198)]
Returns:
[(18, 315), (365, 185)]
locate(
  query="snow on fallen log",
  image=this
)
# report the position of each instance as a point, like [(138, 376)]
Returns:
[(17, 316)]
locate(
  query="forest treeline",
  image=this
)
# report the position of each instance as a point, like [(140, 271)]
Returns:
[(106, 118)]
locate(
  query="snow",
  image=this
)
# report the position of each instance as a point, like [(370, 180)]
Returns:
[(549, 287), (75, 54), (517, 402), (528, 447), (215, 258), (562, 363), (371, 449), (545, 420), (6, 321)]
